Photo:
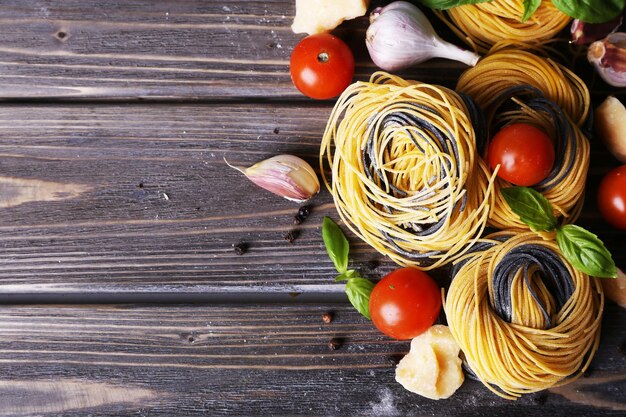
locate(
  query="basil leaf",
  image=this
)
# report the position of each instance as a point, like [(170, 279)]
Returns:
[(531, 207), (591, 11), (585, 251), (347, 275), (359, 291), (447, 4), (336, 244), (530, 7)]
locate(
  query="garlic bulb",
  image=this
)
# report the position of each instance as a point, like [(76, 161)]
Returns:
[(285, 175), (400, 36), (609, 58)]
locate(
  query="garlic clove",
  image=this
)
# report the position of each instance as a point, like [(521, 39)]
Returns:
[(400, 36), (585, 33), (285, 175), (610, 125), (609, 58)]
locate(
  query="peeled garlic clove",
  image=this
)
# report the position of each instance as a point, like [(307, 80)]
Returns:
[(585, 33), (400, 36), (615, 289), (610, 125), (609, 58), (285, 175)]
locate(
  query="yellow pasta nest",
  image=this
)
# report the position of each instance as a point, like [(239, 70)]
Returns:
[(483, 25), (516, 86), (404, 172), (523, 317)]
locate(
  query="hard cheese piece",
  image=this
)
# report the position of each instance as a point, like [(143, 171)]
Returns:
[(317, 16), (432, 367), (610, 121)]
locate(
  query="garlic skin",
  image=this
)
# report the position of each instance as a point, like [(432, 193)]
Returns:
[(400, 36), (285, 175), (585, 33), (609, 58)]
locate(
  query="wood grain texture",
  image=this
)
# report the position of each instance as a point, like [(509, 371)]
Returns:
[(158, 209), (163, 50), (246, 360), (138, 199)]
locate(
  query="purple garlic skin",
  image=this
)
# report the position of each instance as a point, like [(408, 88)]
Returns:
[(608, 56), (585, 33), (400, 36), (284, 175)]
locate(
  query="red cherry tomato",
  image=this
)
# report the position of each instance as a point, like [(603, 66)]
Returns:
[(612, 197), (525, 154), (321, 66), (405, 303)]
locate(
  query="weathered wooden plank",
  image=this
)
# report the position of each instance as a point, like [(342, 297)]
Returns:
[(138, 199), (160, 49), (243, 360)]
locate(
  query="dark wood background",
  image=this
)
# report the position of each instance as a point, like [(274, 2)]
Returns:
[(121, 292)]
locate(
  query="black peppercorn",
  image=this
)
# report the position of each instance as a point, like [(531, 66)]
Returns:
[(291, 235), (240, 248), (334, 344)]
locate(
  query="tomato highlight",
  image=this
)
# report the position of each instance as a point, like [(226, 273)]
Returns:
[(321, 66), (405, 303), (612, 197), (524, 153)]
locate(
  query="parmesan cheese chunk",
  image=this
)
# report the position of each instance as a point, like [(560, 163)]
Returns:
[(317, 16), (432, 367)]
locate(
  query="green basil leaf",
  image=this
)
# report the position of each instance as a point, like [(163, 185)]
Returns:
[(447, 4), (531, 207), (530, 7), (585, 251), (591, 11), (347, 275), (359, 291), (336, 244)]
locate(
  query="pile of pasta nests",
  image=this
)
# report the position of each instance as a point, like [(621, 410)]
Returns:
[(402, 160)]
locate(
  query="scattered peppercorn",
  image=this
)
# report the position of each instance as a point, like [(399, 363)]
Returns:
[(277, 131), (372, 264), (327, 318), (334, 344), (240, 248), (291, 235), (303, 213)]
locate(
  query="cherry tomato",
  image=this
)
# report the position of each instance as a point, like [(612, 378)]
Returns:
[(321, 66), (525, 154), (405, 303), (612, 197)]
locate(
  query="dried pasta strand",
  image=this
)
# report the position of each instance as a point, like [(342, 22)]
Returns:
[(404, 172), (525, 319), (485, 24)]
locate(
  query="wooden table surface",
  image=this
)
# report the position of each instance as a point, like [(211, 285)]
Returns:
[(121, 292)]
